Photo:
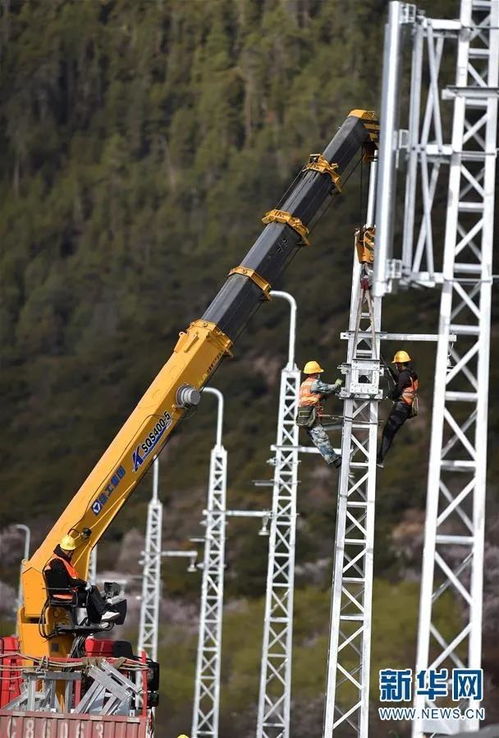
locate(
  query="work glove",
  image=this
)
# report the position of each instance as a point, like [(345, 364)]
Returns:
[(337, 385)]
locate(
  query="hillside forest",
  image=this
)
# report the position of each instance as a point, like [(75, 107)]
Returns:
[(141, 142)]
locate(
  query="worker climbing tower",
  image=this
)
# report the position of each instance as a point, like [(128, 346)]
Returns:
[(207, 684)]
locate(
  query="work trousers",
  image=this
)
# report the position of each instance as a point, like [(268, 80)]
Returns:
[(321, 441), (96, 605), (400, 412), (92, 600)]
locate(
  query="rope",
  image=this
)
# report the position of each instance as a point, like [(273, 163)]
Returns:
[(48, 663)]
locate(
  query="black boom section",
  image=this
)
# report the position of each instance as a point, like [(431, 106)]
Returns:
[(313, 190)]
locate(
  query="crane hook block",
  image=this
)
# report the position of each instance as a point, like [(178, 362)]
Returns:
[(282, 216), (187, 396)]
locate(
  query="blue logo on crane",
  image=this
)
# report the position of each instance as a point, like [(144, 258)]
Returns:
[(144, 449), (108, 490), (96, 507)]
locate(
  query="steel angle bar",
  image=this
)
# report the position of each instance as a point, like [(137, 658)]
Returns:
[(205, 716), (472, 240), (275, 676)]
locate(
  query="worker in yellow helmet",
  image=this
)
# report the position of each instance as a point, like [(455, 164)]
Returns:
[(405, 397), (64, 584), (311, 411)]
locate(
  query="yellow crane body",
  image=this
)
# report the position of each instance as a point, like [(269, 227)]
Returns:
[(115, 476), (196, 355)]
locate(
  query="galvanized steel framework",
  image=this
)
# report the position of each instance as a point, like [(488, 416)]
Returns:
[(151, 573), (454, 534), (275, 676), (347, 692), (207, 685)]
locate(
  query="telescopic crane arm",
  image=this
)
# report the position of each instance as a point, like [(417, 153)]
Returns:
[(195, 357)]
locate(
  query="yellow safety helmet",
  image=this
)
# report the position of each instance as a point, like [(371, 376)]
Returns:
[(67, 543), (401, 357), (312, 367)]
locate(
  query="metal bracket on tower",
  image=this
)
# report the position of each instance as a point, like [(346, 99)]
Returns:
[(362, 379)]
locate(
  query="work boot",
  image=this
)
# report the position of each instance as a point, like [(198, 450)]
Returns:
[(337, 464)]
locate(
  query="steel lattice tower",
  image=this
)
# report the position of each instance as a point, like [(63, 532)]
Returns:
[(151, 574), (454, 534), (347, 694), (207, 684), (275, 676)]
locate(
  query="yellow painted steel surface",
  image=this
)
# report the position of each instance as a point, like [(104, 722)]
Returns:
[(364, 244), (115, 476)]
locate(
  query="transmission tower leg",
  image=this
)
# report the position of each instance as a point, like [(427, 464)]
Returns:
[(207, 684), (454, 534), (347, 693), (275, 677), (151, 574)]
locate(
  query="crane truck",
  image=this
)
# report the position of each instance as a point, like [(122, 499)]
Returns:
[(52, 638)]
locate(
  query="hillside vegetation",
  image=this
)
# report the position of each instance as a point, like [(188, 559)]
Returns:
[(141, 141)]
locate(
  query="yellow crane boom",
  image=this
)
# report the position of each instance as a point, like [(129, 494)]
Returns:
[(176, 388)]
